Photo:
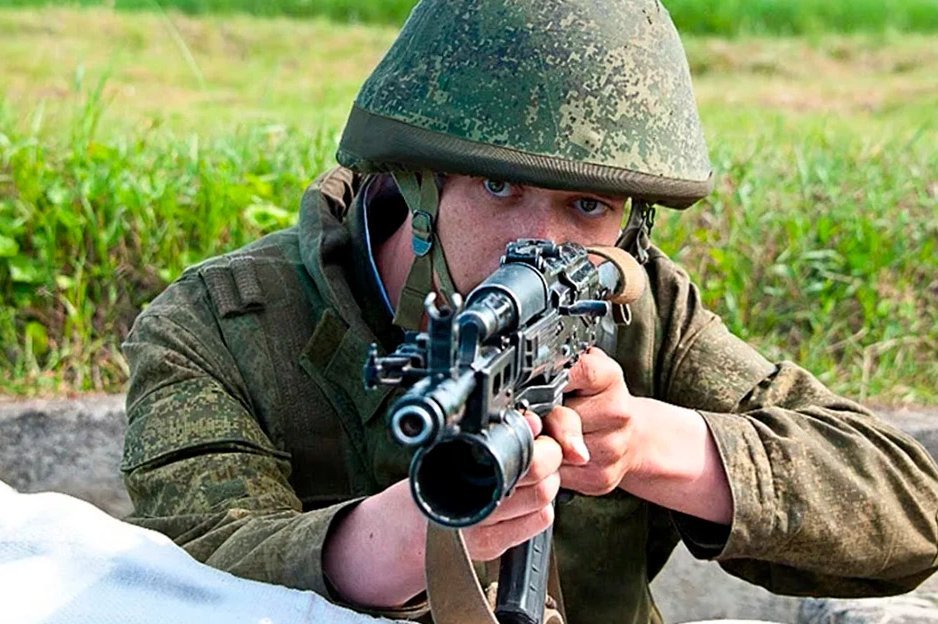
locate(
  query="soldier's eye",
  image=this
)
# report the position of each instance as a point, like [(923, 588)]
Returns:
[(591, 207), (498, 188)]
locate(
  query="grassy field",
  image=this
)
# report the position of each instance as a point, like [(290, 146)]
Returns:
[(133, 144), (726, 18)]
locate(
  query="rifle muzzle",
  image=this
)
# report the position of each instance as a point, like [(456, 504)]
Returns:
[(418, 417)]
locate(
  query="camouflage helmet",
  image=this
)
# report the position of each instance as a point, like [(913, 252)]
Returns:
[(580, 95)]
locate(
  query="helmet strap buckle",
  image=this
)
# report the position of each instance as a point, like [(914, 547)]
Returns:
[(428, 270), (421, 223), (636, 237)]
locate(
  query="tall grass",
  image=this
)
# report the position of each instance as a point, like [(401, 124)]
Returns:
[(730, 18), (818, 244), (824, 251), (711, 17), (91, 230), (366, 11)]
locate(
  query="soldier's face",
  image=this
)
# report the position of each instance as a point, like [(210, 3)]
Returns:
[(479, 217)]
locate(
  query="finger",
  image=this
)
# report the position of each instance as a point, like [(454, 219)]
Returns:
[(610, 462), (596, 414), (488, 542), (593, 373), (610, 410), (534, 422), (564, 425), (545, 460), (526, 500)]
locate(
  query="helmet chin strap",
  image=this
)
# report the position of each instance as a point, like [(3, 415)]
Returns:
[(635, 238), (423, 200)]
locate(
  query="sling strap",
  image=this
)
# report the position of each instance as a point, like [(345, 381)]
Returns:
[(636, 236), (455, 595)]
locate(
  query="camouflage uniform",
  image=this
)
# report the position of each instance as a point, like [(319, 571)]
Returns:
[(250, 433)]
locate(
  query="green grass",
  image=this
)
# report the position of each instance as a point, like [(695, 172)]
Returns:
[(825, 252), (132, 145), (726, 18), (391, 12), (186, 74), (90, 231)]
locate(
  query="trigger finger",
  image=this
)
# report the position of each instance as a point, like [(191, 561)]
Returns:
[(565, 425)]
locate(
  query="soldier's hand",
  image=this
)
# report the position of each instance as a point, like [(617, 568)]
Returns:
[(596, 415), (657, 451), (529, 510)]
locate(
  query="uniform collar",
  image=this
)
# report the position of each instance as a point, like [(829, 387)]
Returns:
[(334, 251)]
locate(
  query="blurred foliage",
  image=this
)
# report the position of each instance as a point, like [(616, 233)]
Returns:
[(197, 135), (726, 18), (91, 230), (824, 251)]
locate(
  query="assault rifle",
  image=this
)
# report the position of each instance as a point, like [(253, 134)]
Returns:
[(477, 367)]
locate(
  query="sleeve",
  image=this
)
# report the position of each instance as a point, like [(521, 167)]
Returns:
[(198, 466), (828, 499)]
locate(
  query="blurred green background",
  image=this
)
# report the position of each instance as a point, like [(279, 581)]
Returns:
[(135, 142), (698, 17)]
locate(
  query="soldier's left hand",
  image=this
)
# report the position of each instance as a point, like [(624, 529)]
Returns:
[(596, 415)]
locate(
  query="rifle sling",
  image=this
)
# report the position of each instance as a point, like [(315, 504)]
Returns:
[(455, 595)]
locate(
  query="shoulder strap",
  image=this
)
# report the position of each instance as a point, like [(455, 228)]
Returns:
[(233, 286)]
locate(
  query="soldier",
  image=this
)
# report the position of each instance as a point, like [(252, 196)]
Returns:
[(252, 443)]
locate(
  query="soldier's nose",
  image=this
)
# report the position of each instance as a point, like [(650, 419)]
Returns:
[(547, 227)]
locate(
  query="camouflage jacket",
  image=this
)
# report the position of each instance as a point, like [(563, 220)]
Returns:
[(249, 434)]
